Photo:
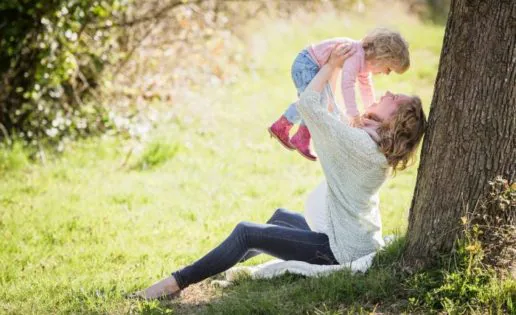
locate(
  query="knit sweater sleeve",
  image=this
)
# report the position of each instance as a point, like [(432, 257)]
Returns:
[(354, 169), (331, 136)]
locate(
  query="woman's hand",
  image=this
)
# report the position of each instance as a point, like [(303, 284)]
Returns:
[(339, 54), (337, 57), (356, 121)]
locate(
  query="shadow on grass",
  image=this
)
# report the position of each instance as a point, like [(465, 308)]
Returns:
[(454, 286), (339, 292)]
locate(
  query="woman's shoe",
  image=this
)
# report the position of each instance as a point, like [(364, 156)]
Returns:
[(141, 297), (158, 291)]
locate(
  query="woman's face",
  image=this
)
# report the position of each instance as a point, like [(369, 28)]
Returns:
[(388, 105)]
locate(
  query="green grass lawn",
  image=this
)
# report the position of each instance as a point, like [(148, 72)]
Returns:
[(79, 231)]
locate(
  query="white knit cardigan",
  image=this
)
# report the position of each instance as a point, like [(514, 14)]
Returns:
[(278, 267), (354, 169)]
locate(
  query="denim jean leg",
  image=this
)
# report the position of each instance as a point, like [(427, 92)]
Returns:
[(281, 242), (290, 243), (221, 258), (292, 114), (285, 218), (303, 71)]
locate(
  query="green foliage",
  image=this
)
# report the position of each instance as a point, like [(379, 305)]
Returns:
[(156, 153), (13, 157), (493, 223), (435, 11), (463, 283), (52, 53)]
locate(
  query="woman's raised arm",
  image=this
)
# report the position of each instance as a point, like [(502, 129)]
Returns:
[(331, 136), (336, 60)]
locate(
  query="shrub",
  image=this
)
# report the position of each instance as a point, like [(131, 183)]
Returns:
[(474, 277), (52, 53)]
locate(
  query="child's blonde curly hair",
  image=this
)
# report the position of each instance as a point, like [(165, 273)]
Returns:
[(387, 47)]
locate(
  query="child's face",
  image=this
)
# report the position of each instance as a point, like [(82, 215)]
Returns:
[(377, 68)]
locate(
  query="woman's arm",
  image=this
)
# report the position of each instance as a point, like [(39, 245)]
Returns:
[(336, 60), (333, 86), (326, 74), (332, 137)]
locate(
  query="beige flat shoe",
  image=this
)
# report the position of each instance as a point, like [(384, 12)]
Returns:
[(139, 296)]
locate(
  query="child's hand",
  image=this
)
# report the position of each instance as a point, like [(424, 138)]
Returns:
[(355, 121)]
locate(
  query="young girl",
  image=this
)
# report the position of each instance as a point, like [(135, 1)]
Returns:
[(380, 51)]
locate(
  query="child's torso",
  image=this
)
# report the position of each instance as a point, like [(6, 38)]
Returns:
[(321, 51)]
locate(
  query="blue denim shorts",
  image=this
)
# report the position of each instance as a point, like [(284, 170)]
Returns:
[(303, 70)]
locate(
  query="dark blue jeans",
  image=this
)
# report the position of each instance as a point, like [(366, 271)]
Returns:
[(286, 236)]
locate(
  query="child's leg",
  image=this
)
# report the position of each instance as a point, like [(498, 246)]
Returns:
[(291, 114), (304, 70)]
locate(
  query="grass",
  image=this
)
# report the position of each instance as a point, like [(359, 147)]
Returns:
[(337, 293), (80, 230), (156, 153)]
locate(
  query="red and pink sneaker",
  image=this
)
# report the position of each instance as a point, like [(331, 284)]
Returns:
[(301, 141), (280, 129)]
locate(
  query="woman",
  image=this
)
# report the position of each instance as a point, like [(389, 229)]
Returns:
[(355, 161)]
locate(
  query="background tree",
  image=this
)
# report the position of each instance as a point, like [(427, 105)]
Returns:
[(472, 124)]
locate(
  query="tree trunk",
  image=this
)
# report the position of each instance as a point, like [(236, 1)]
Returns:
[(471, 135)]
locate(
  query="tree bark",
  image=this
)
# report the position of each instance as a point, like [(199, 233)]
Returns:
[(472, 124)]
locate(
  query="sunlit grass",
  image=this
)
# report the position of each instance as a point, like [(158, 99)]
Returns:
[(80, 230)]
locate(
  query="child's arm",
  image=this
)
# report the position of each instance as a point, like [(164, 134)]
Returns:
[(365, 83), (332, 137), (348, 77)]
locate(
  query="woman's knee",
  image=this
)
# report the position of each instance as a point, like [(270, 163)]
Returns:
[(279, 213), (247, 233), (242, 228)]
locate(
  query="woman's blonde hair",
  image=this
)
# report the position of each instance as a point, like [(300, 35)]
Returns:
[(401, 135), (387, 47)]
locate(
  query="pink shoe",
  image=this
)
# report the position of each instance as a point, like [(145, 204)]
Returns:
[(301, 141), (280, 129)]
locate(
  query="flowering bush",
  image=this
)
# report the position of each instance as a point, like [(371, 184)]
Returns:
[(52, 54)]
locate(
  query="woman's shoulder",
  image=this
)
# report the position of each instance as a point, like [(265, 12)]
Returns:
[(366, 148)]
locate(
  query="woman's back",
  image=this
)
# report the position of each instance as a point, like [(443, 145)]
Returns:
[(355, 169)]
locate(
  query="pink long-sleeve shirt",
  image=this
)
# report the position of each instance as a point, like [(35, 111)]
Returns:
[(353, 70)]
